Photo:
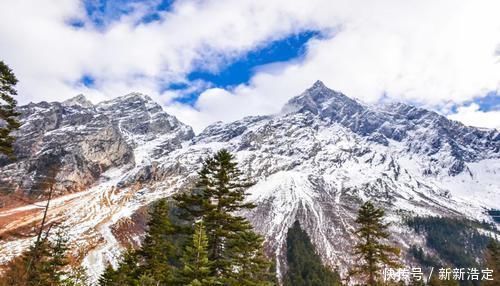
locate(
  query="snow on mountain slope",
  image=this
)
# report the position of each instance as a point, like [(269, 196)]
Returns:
[(315, 162), (82, 141)]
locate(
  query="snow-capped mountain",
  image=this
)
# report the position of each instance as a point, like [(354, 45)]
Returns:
[(80, 141), (316, 162)]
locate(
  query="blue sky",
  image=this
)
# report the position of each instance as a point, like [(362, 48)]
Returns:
[(490, 102), (240, 70), (213, 60), (103, 12)]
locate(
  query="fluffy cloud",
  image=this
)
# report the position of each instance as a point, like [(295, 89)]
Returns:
[(50, 56), (472, 116), (431, 53), (426, 53)]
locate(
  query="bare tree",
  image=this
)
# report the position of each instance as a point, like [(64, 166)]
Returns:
[(48, 184)]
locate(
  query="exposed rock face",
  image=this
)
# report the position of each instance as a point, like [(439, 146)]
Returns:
[(315, 162), (423, 132), (80, 141), (140, 120)]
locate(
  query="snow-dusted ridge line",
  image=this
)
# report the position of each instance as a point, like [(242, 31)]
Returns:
[(316, 162)]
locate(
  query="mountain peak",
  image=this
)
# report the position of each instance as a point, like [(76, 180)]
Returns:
[(131, 100), (318, 98), (133, 96), (79, 100), (137, 95), (318, 84)]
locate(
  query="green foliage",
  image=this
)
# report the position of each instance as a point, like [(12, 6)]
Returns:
[(247, 256), (492, 260), (196, 266), (127, 273), (220, 247), (495, 215), (8, 122), (44, 264), (423, 258), (77, 276), (304, 264), (158, 251), (372, 252), (234, 250), (435, 281), (153, 262), (108, 277), (53, 268), (456, 241)]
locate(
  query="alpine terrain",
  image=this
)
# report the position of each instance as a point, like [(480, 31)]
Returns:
[(316, 161)]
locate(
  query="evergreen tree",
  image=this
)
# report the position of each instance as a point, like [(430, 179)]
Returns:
[(304, 264), (435, 281), (222, 251), (493, 262), (24, 270), (216, 199), (8, 121), (127, 273), (54, 267), (145, 280), (247, 256), (196, 266), (152, 263), (77, 276), (44, 264), (108, 277), (372, 252), (158, 251), (457, 241)]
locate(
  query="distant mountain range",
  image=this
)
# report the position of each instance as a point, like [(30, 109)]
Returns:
[(316, 161)]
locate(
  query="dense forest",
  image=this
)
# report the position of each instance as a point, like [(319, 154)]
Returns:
[(304, 264), (495, 215), (456, 241)]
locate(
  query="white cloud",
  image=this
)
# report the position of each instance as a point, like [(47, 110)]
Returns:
[(472, 116), (49, 56), (430, 52)]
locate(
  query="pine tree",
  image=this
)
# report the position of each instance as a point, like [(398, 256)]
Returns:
[(247, 256), (54, 266), (435, 281), (145, 280), (8, 121), (77, 276), (22, 271), (372, 252), (44, 264), (152, 263), (158, 251), (108, 277), (196, 266), (219, 194), (493, 262), (304, 264), (127, 273)]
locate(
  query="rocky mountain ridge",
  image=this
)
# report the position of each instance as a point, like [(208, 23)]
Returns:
[(316, 162)]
